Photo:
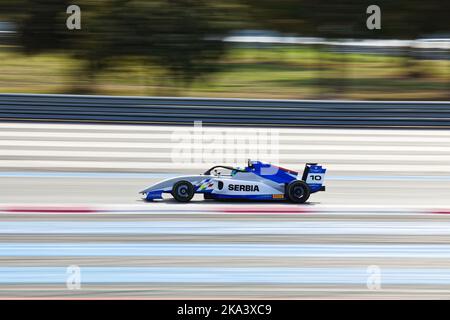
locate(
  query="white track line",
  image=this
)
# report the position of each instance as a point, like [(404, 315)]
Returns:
[(127, 128), (303, 157), (235, 134), (237, 146), (39, 164)]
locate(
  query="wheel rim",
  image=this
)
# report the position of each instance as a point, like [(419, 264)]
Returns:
[(298, 192), (183, 191)]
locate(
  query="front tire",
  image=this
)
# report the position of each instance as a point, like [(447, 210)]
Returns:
[(183, 191), (298, 191)]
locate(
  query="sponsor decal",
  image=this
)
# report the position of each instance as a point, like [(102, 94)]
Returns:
[(243, 187)]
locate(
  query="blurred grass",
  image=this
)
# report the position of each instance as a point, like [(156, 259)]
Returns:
[(280, 72)]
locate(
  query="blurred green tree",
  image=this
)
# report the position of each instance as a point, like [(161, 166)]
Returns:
[(38, 23), (181, 36), (400, 19)]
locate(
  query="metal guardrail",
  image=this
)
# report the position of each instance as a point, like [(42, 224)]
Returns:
[(160, 110)]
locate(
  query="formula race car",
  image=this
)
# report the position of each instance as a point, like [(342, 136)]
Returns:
[(257, 181)]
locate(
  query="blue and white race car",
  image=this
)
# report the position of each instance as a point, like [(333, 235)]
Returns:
[(257, 181)]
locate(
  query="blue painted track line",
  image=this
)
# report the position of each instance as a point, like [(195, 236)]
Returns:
[(349, 276), (306, 227), (222, 250), (111, 175), (158, 175)]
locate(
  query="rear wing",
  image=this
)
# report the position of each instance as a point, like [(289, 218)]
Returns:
[(314, 176)]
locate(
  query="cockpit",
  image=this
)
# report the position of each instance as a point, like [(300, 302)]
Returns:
[(223, 171), (227, 170)]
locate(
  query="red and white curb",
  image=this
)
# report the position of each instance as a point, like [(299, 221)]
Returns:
[(208, 209)]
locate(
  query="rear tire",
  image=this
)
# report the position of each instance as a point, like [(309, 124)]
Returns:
[(183, 191), (298, 191)]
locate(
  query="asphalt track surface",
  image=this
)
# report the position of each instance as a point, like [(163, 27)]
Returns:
[(381, 230)]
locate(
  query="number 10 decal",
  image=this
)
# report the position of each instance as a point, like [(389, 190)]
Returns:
[(315, 178)]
